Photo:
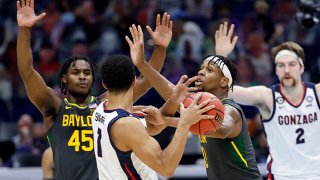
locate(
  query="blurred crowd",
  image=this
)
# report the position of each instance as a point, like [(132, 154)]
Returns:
[(97, 28)]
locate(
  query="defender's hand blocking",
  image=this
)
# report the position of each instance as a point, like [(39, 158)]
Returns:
[(136, 45), (25, 14), (194, 112), (163, 32), (224, 41)]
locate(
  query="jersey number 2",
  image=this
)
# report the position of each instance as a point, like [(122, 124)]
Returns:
[(300, 133)]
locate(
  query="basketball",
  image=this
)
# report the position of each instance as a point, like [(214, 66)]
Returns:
[(204, 126)]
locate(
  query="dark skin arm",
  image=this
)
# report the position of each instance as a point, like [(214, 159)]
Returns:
[(231, 125), (43, 97)]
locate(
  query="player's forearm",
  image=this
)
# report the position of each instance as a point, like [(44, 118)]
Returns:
[(172, 155), (157, 59), (24, 52), (170, 107), (159, 82)]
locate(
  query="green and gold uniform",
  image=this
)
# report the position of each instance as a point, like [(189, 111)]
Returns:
[(71, 140), (230, 158)]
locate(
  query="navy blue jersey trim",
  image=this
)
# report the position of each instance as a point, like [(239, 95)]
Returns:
[(274, 89), (311, 85), (127, 167), (121, 113)]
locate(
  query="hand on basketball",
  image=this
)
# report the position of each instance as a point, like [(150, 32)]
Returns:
[(163, 32), (224, 41), (25, 14), (194, 112), (136, 45)]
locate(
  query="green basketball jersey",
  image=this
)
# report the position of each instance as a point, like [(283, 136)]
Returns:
[(230, 158), (71, 140)]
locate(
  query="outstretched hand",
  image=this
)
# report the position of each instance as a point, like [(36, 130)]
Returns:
[(224, 41), (25, 14), (163, 32), (136, 45), (181, 90)]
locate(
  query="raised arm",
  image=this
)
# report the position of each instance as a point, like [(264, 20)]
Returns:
[(225, 41), (148, 149), (37, 90), (161, 38)]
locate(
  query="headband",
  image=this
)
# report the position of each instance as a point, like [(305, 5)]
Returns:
[(224, 68), (286, 52)]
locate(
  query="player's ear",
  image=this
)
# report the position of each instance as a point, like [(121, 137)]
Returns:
[(104, 85), (224, 82), (64, 79)]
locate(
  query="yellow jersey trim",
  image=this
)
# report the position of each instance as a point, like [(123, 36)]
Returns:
[(74, 104), (238, 152)]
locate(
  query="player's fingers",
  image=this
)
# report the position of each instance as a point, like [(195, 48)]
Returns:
[(32, 4), (149, 31), (170, 25), (41, 16), (207, 117), (158, 20), (191, 80), (18, 5), (195, 100), (164, 17), (207, 108), (230, 32), (225, 28), (140, 33), (23, 3), (129, 41), (216, 34), (135, 31), (234, 40), (204, 103), (182, 79), (193, 89), (167, 20), (28, 3), (220, 30)]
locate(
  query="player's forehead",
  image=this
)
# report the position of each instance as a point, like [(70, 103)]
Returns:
[(287, 59), (208, 64), (80, 65)]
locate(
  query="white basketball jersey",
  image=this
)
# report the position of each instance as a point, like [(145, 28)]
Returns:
[(293, 134), (112, 163)]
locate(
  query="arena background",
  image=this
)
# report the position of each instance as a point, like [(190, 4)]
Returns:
[(96, 28)]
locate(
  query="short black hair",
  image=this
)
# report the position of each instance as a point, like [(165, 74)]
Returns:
[(231, 66), (70, 60), (118, 73)]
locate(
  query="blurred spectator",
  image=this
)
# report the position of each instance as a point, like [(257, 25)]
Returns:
[(48, 64), (5, 84), (190, 42), (257, 51), (24, 139)]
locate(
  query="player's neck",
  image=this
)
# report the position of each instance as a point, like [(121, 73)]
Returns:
[(79, 101), (120, 101), (294, 94)]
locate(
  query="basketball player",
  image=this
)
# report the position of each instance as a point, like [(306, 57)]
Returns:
[(290, 112), (68, 120), (228, 152), (124, 149)]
